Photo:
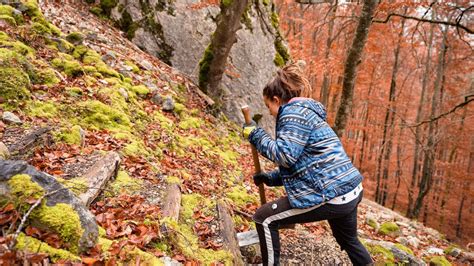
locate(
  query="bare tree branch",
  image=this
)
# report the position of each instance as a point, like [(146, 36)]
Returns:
[(448, 23), (467, 100)]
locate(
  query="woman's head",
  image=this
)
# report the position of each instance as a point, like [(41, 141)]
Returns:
[(288, 83)]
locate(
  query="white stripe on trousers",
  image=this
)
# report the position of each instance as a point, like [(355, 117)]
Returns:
[(280, 216)]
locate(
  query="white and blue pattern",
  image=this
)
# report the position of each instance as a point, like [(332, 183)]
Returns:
[(313, 166)]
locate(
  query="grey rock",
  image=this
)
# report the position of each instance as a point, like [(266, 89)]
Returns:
[(168, 104), (157, 98), (10, 117), (455, 252), (402, 240), (170, 262), (151, 85), (109, 57), (9, 168), (184, 37), (403, 256), (413, 241), (435, 251), (4, 152), (124, 93)]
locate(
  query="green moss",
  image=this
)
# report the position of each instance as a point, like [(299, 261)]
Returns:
[(76, 185), (281, 56), (266, 2), (43, 109), (91, 57), (275, 20), (146, 258), (229, 157), (40, 28), (73, 91), (32, 9), (389, 228), (96, 115), (14, 83), (46, 76), (450, 248), (140, 90), (75, 37), (103, 69), (127, 25), (380, 253), (173, 180), (123, 183), (204, 67), (136, 148), (439, 261), (8, 19), (372, 223), (71, 136), (240, 197), (226, 3), (134, 67), (404, 248), (62, 219), (79, 51), (68, 65), (22, 188), (179, 108), (34, 245), (97, 11), (107, 5), (190, 122)]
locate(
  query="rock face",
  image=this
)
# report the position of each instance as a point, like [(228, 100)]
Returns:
[(178, 33), (57, 212)]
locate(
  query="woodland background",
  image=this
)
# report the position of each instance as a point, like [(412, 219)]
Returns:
[(410, 129)]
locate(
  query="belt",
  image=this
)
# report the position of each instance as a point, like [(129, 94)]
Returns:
[(348, 197)]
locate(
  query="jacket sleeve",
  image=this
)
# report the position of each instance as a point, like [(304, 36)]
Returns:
[(275, 179), (291, 138)]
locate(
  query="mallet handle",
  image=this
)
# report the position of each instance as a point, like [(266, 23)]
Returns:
[(256, 161)]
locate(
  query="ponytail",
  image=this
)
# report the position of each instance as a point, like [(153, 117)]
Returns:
[(289, 83)]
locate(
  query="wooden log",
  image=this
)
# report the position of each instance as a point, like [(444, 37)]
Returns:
[(98, 176), (228, 232), (172, 202)]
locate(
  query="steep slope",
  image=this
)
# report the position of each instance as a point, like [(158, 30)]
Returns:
[(97, 92)]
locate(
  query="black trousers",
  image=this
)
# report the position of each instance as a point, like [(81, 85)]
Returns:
[(341, 218)]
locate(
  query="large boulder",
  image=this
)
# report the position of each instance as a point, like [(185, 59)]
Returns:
[(178, 33), (60, 211)]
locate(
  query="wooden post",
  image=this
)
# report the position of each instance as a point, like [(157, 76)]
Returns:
[(256, 161), (228, 232)]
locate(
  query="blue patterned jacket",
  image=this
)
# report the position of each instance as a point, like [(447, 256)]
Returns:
[(313, 165)]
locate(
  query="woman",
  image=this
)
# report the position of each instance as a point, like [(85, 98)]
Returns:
[(320, 181)]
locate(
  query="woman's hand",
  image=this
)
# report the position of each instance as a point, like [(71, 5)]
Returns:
[(261, 178), (248, 128)]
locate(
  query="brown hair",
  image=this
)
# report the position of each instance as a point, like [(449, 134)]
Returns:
[(289, 82)]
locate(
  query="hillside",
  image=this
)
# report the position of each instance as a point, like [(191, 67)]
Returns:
[(73, 91)]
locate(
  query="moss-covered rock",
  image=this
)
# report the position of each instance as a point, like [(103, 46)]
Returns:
[(389, 228), (73, 135), (404, 248), (381, 253), (33, 245), (107, 5), (68, 65), (97, 115), (439, 261), (43, 109), (75, 37), (14, 83), (123, 183)]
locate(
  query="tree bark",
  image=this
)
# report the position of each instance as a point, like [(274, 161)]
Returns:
[(366, 120), (419, 115), (350, 69), (386, 150), (98, 176), (324, 96), (213, 64), (429, 156), (228, 233), (172, 202)]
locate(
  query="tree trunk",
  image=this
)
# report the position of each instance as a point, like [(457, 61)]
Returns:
[(350, 69), (419, 115), (324, 96), (386, 150), (428, 160), (213, 64)]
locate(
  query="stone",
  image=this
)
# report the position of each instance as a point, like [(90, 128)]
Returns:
[(59, 198), (4, 152), (455, 252), (124, 93), (402, 240), (168, 104), (183, 36), (157, 98), (109, 57), (413, 241), (435, 251), (10, 117), (151, 85)]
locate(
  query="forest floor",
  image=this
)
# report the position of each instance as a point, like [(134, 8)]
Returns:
[(309, 244)]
